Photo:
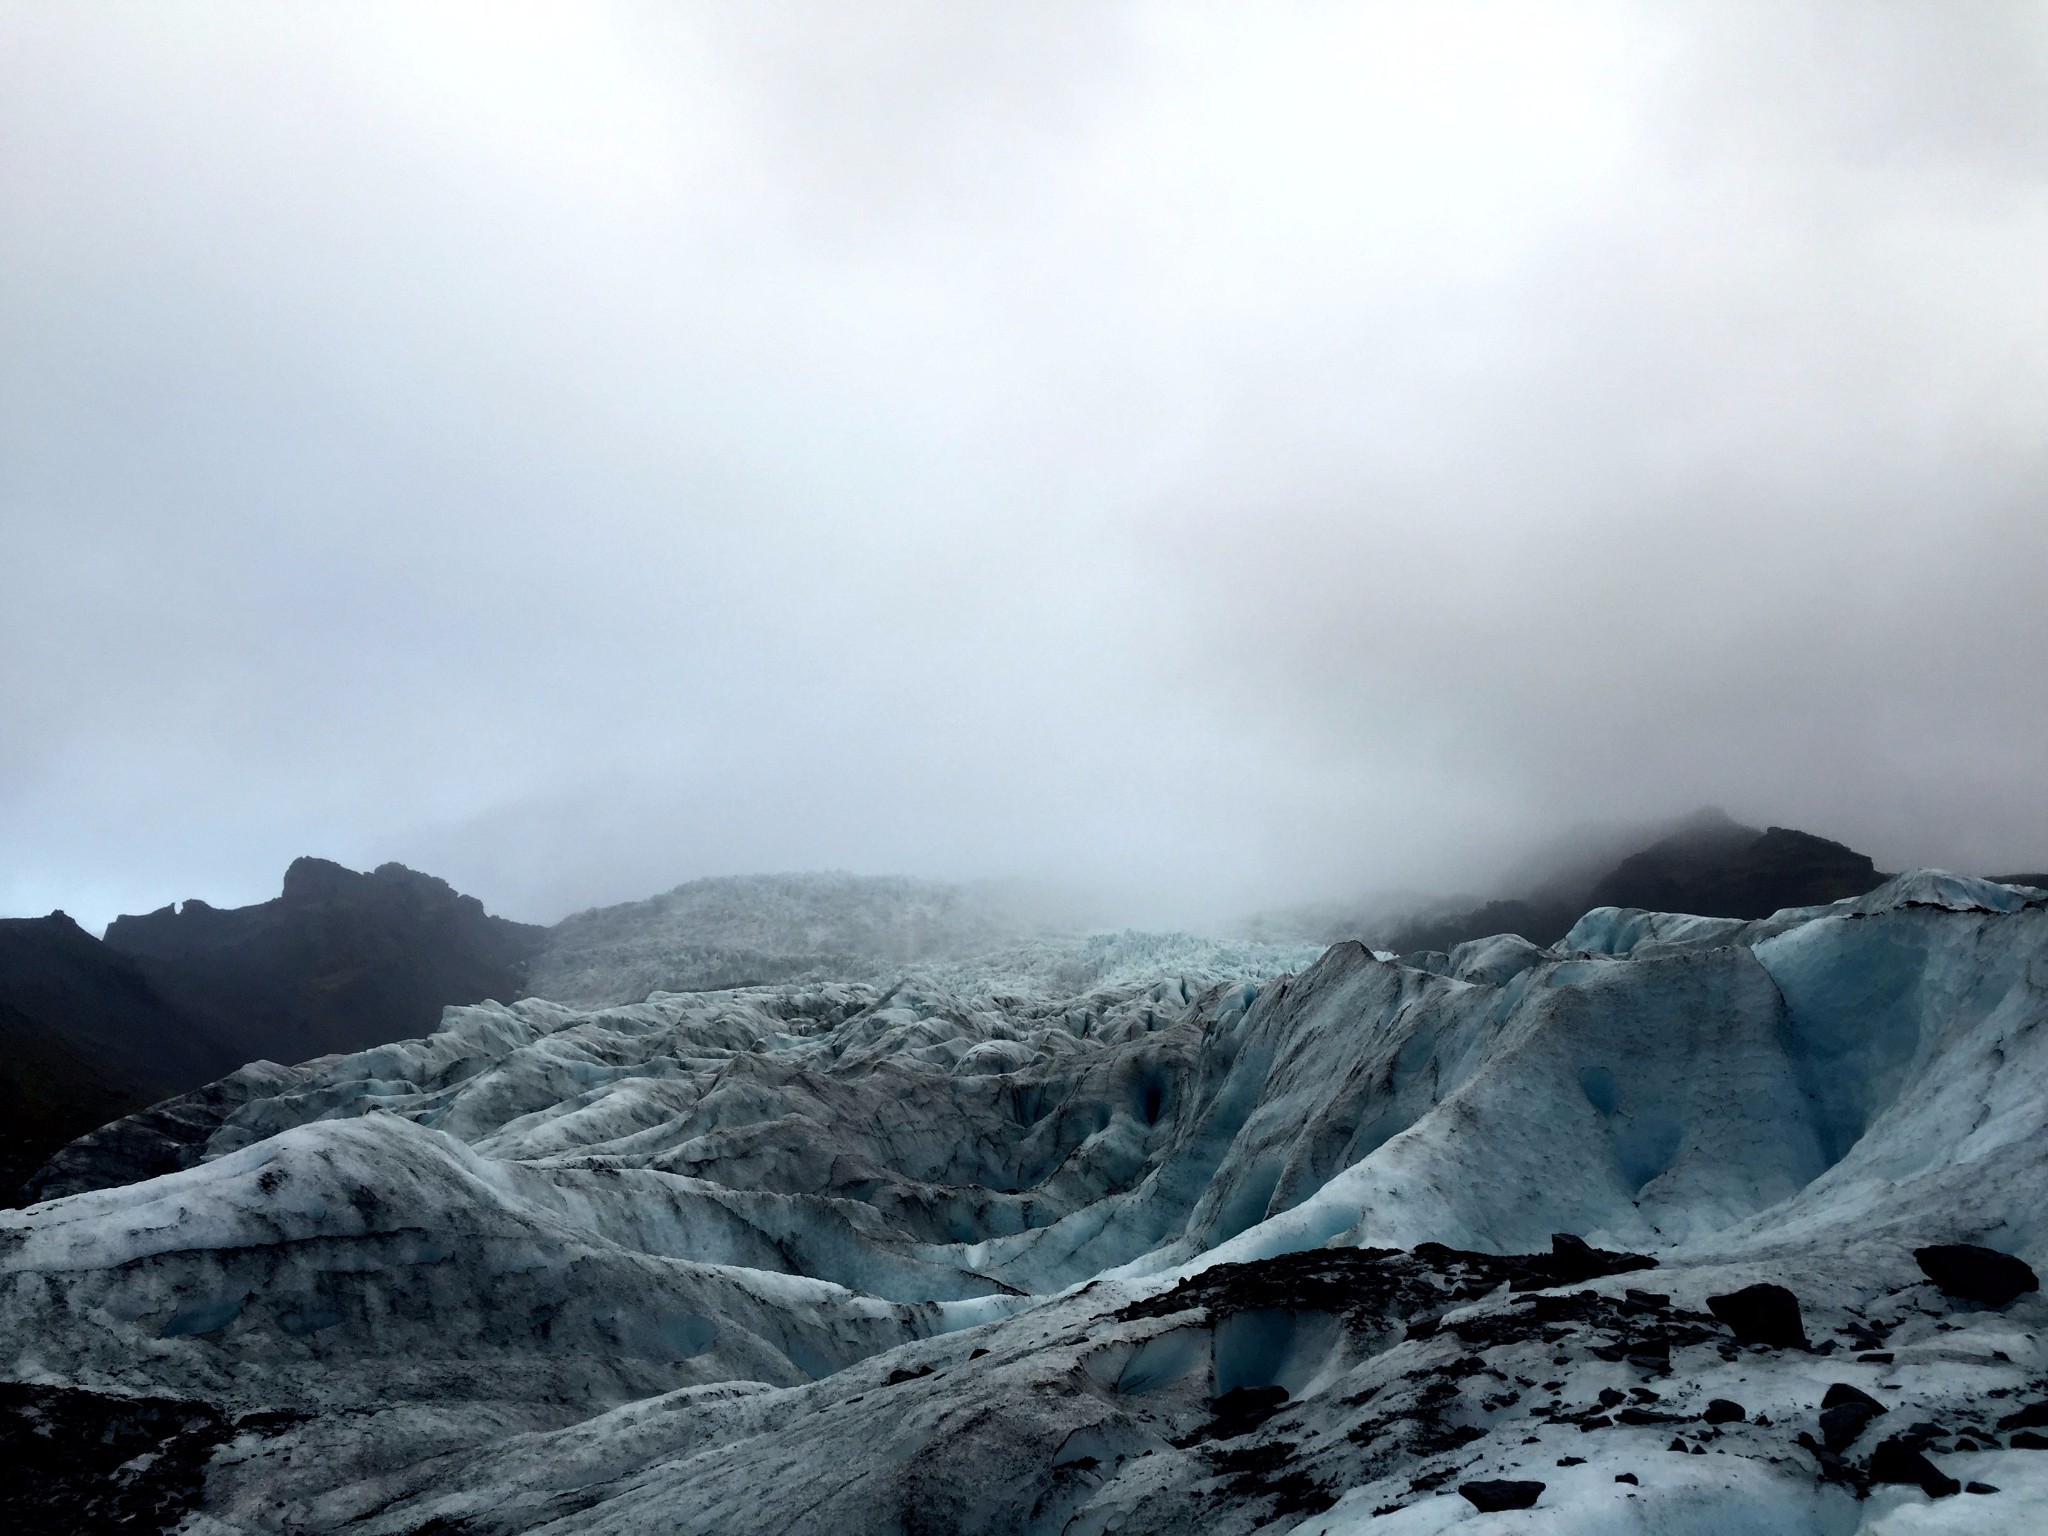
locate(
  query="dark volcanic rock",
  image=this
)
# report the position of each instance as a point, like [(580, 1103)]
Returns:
[(1573, 1261), (1640, 1416), (1495, 1494), (1610, 1330), (1977, 1274), (84, 1039), (1845, 1413), (1722, 1411), (1715, 867), (74, 1461), (1241, 1410), (1897, 1461), (1267, 1471), (173, 1002), (2033, 1416), (1762, 1314), (1384, 1285), (1711, 866), (338, 962)]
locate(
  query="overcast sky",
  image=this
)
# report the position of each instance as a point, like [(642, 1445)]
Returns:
[(1215, 455)]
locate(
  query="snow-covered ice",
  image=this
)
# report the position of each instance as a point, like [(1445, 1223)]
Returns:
[(1133, 1233)]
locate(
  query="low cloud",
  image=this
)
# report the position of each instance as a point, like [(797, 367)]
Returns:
[(1209, 457)]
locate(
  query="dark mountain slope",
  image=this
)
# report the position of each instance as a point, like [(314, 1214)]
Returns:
[(338, 962), (84, 1039), (1721, 869), (51, 1092), (1711, 866), (103, 1003), (92, 1031)]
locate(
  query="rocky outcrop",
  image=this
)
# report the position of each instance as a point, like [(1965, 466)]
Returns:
[(1715, 867), (94, 1031), (103, 1002), (89, 1461), (339, 961), (1708, 866), (1977, 1273), (84, 1038), (1761, 1314)]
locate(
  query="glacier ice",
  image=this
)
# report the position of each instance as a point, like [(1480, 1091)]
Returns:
[(1134, 1233)]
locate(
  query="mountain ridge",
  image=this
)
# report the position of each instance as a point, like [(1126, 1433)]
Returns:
[(336, 961), (1707, 864)]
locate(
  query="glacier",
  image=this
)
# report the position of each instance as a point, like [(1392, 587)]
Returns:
[(1135, 1233)]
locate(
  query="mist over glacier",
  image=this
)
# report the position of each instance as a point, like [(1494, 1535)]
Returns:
[(1207, 459), (1233, 546)]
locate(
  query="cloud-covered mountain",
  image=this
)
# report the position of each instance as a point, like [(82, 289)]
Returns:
[(1707, 864)]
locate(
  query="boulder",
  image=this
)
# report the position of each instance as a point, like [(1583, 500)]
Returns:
[(1494, 1494), (1896, 1461), (1977, 1274), (1845, 1413), (1762, 1314), (2032, 1416)]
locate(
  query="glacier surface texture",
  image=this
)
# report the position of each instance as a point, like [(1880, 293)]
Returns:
[(1127, 1234)]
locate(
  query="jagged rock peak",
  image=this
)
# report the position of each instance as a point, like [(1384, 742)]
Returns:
[(339, 960), (315, 879)]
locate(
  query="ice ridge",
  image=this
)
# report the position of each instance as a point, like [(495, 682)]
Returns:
[(1138, 1233)]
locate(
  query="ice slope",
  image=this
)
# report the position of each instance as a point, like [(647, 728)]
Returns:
[(841, 1257), (751, 929), (511, 1214), (1712, 1076), (962, 1104), (368, 1257), (1096, 1412)]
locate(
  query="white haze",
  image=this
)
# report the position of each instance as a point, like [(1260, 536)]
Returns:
[(1209, 455)]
